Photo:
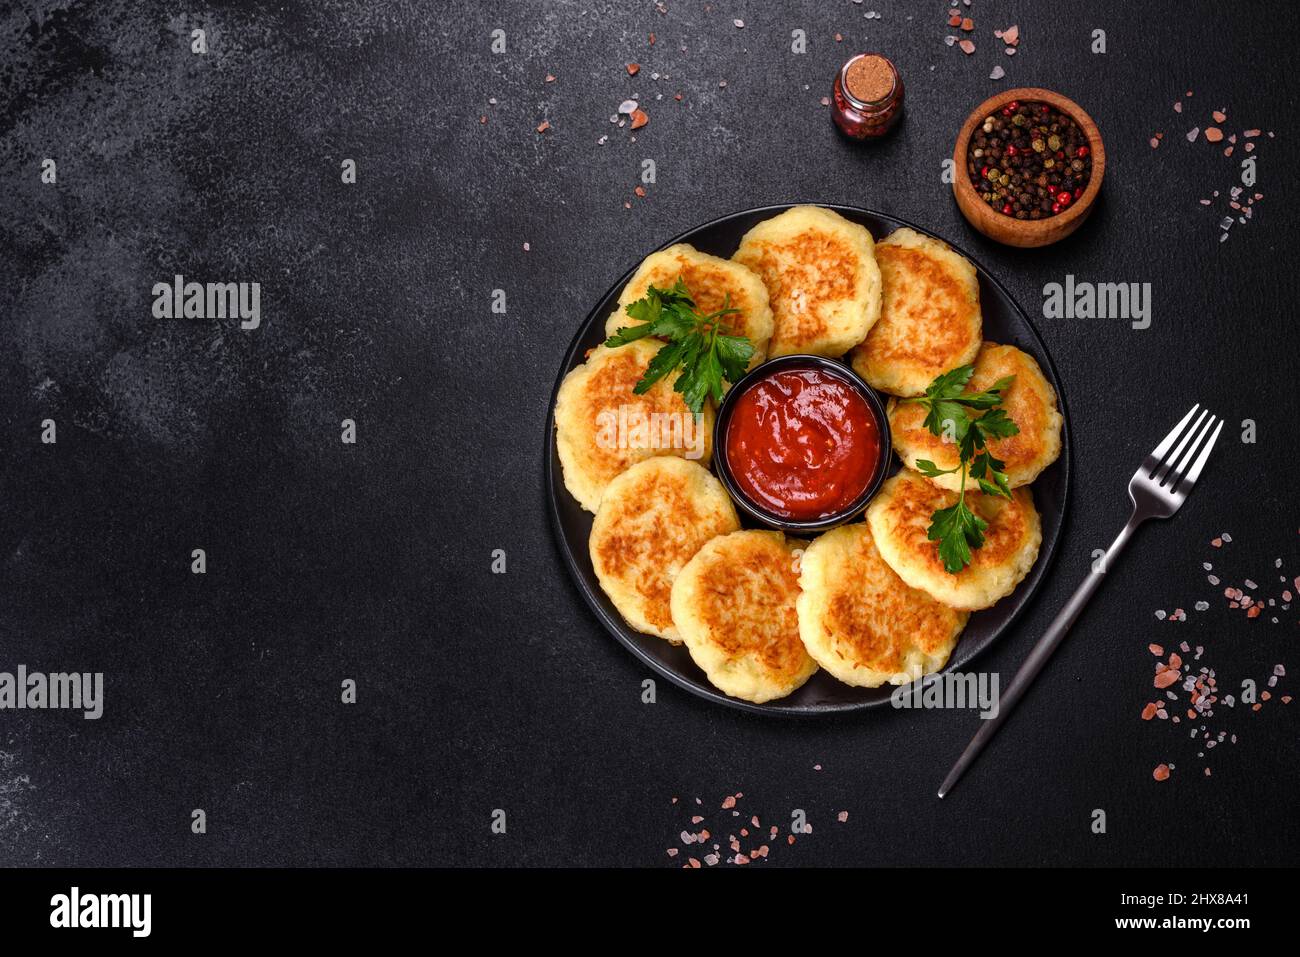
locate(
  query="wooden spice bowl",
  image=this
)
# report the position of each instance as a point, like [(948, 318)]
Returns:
[(1026, 232)]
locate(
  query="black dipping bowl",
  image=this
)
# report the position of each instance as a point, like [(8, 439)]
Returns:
[(751, 508)]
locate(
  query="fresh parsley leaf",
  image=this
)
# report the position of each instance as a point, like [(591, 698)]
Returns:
[(996, 424), (957, 529), (970, 442), (930, 470), (950, 384), (735, 353), (664, 362), (997, 482), (948, 419), (697, 344), (988, 398)]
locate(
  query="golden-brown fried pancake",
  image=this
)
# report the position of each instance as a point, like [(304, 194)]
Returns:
[(602, 427), (861, 622), (1030, 402), (930, 318), (733, 605), (900, 517), (821, 276), (652, 520), (711, 281)]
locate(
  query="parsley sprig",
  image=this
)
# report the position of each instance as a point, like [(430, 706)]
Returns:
[(949, 414), (697, 343)]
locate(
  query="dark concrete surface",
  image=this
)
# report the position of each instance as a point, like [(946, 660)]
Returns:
[(372, 561)]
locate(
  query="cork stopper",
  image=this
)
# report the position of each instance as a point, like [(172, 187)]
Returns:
[(869, 78)]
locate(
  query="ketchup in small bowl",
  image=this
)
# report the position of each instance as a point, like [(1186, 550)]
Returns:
[(802, 443)]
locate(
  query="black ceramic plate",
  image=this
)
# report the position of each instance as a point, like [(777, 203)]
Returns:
[(1003, 322)]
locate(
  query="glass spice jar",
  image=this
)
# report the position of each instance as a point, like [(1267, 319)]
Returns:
[(868, 96)]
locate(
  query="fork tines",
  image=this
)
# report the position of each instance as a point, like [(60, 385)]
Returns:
[(1183, 465)]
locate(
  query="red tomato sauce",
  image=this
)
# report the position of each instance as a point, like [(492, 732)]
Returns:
[(802, 444)]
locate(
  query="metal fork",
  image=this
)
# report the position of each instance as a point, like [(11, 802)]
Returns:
[(1157, 489)]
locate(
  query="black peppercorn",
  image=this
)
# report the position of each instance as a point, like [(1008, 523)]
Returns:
[(1029, 160)]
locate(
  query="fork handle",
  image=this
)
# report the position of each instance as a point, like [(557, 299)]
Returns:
[(1042, 651)]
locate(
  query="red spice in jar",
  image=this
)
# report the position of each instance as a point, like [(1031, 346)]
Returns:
[(868, 96)]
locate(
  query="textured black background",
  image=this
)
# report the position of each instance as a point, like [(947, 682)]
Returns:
[(481, 691)]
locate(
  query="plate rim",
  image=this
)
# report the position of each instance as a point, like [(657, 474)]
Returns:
[(615, 627)]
